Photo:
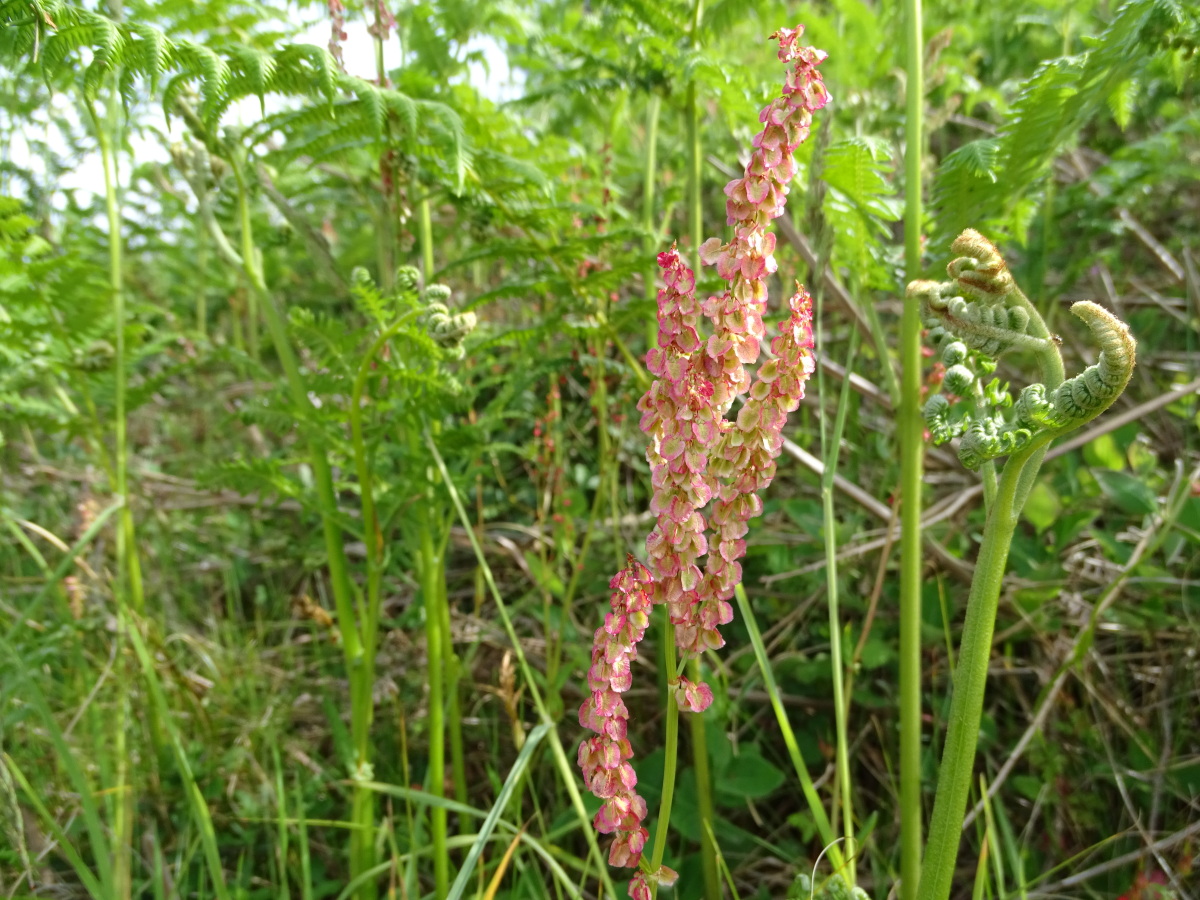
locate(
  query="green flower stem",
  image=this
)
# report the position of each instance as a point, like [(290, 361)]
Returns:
[(695, 153), (385, 236), (970, 680), (815, 809), (704, 795), (425, 224), (841, 709), (671, 751), (129, 575), (911, 435), (430, 570), (700, 765), (649, 181), (565, 770)]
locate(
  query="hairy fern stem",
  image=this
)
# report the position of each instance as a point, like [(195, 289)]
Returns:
[(1044, 412)]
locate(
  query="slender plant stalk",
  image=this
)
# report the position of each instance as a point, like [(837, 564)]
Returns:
[(671, 751), (129, 576), (430, 570), (700, 764), (562, 763), (695, 151), (425, 223), (695, 207), (911, 434), (385, 237), (841, 708), (443, 667), (201, 279), (649, 183), (368, 610), (704, 794), (970, 680)]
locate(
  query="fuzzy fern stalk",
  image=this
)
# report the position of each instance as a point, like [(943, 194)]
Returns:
[(973, 319)]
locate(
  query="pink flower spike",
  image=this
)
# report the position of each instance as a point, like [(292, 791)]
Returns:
[(706, 467)]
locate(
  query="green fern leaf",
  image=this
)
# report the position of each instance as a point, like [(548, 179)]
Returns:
[(150, 54), (257, 68), (210, 68), (373, 106)]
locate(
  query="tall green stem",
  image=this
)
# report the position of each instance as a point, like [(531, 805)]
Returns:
[(437, 629), (911, 438), (841, 709), (431, 591), (975, 648), (695, 209), (704, 795), (671, 751), (385, 237), (970, 680), (695, 205), (649, 182), (425, 223), (708, 852), (129, 579)]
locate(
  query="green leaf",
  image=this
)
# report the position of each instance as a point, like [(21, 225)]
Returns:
[(1103, 453), (544, 574), (1130, 494), (1043, 506), (749, 776), (1120, 102)]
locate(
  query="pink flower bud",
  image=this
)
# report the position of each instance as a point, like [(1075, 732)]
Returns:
[(692, 697)]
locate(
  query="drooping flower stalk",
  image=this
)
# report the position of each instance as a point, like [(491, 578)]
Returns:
[(700, 459)]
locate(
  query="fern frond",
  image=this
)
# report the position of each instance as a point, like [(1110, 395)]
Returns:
[(373, 108), (89, 30), (310, 65), (209, 68), (256, 68), (666, 17), (859, 167), (150, 54)]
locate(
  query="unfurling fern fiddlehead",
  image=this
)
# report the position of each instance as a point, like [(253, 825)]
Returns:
[(969, 335), (972, 319)]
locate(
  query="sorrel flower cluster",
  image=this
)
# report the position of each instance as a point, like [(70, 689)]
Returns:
[(699, 457)]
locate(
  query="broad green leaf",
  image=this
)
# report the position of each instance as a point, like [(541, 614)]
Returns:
[(1103, 452), (1130, 494), (749, 776), (1043, 506)]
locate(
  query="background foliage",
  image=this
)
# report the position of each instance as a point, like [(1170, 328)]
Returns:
[(207, 749)]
